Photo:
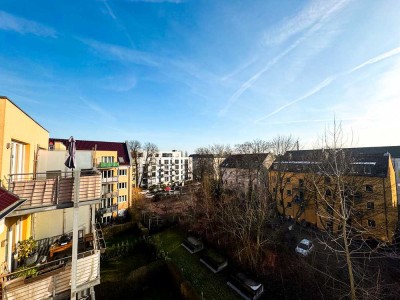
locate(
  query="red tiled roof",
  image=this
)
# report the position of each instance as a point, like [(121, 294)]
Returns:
[(7, 199), (121, 148)]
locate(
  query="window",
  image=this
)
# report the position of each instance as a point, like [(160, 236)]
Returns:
[(357, 196), (107, 159), (17, 158), (122, 185), (281, 202), (177, 161), (327, 180), (121, 198), (122, 172), (107, 174), (301, 183), (371, 223), (289, 204), (121, 160), (287, 180), (328, 192), (329, 209), (289, 192), (370, 205), (367, 169), (369, 188), (166, 161), (274, 190), (329, 226)]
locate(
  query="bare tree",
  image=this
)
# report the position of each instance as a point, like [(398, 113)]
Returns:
[(348, 194), (256, 146), (149, 151), (280, 146), (135, 149)]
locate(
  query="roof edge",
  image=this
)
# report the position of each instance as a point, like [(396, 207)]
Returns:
[(6, 98)]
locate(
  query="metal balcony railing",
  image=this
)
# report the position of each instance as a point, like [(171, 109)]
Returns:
[(46, 280), (54, 187), (109, 194), (109, 209), (108, 165), (109, 179)]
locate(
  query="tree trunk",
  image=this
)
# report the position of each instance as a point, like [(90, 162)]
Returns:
[(348, 260)]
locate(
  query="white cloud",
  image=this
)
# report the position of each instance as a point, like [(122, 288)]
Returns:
[(328, 81), (310, 15), (119, 83), (23, 26), (318, 21), (378, 115), (158, 1), (97, 109), (121, 53)]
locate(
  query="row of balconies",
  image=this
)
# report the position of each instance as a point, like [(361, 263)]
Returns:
[(54, 188), (52, 278)]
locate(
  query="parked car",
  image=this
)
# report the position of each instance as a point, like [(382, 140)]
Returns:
[(304, 247)]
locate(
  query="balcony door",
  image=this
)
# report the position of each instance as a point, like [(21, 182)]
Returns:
[(17, 158)]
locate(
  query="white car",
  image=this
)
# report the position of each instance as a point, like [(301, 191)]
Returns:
[(304, 247)]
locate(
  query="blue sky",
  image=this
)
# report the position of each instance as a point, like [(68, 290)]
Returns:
[(185, 74)]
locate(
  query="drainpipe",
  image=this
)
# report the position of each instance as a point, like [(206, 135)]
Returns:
[(75, 233)]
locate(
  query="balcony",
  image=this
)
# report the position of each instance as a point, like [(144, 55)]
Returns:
[(108, 165), (53, 278), (109, 194), (109, 179), (110, 209), (42, 190)]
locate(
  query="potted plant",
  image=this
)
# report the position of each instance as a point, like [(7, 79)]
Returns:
[(27, 251)]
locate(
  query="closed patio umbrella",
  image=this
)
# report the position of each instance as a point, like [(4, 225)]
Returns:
[(70, 162)]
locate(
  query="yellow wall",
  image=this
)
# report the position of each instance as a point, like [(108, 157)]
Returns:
[(15, 125), (383, 196), (127, 179)]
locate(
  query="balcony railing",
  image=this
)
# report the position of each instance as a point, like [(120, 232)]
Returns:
[(44, 281), (109, 179), (54, 188), (110, 209), (108, 165), (109, 194)]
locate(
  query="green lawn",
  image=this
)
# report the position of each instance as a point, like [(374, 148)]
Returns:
[(213, 286), (115, 273)]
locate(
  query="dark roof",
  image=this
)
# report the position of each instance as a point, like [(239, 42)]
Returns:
[(121, 148), (244, 161), (393, 150), (8, 202), (5, 97), (202, 156), (301, 160)]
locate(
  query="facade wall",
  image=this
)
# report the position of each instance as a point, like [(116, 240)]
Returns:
[(165, 168), (374, 211), (57, 222), (17, 126)]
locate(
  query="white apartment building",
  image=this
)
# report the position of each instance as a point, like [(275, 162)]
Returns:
[(164, 168)]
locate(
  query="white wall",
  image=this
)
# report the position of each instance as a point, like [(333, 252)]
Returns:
[(54, 160), (51, 223)]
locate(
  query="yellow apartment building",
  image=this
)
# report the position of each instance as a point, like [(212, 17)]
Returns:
[(36, 200), (21, 137), (305, 192), (112, 159)]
